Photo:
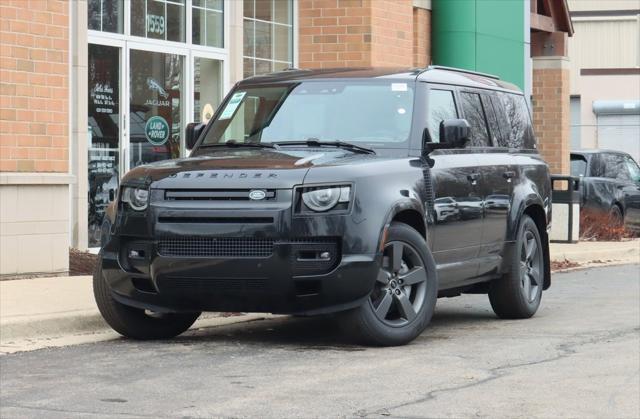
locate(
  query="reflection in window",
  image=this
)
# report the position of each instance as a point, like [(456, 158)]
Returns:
[(441, 107), (520, 133), (105, 15), (474, 113), (268, 36), (158, 19), (207, 23), (207, 76)]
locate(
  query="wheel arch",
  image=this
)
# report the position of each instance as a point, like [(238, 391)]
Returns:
[(408, 212)]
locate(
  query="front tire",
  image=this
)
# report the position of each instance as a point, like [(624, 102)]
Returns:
[(517, 294), (403, 300), (136, 323)]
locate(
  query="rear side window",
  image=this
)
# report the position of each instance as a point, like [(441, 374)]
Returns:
[(519, 133), (578, 165), (596, 166), (474, 113), (441, 106)]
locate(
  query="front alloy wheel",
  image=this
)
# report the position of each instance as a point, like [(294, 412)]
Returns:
[(401, 285), (404, 295)]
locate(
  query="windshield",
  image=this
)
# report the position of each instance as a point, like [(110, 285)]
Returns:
[(370, 114)]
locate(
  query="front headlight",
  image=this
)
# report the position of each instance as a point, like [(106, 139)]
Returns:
[(321, 199), (137, 198)]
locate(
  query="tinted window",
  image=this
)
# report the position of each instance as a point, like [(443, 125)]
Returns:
[(615, 167), (578, 165), (441, 106), (474, 113), (520, 133), (596, 166), (491, 119)]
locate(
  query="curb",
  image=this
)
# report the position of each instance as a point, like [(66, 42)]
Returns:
[(600, 252), (82, 323)]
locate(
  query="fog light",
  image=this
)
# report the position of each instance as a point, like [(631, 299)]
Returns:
[(325, 255)]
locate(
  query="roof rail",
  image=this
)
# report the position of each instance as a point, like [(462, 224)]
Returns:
[(461, 70)]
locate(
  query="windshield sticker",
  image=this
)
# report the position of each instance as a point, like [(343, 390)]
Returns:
[(398, 87), (233, 104)]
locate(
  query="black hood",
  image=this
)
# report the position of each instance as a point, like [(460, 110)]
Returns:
[(242, 168)]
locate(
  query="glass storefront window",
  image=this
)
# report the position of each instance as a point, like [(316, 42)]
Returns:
[(155, 106), (158, 19), (106, 15), (207, 75), (207, 23), (104, 133), (268, 36)]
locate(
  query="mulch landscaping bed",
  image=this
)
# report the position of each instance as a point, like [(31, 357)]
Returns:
[(81, 263)]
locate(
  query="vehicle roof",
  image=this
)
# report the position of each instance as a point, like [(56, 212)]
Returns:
[(597, 151), (458, 77)]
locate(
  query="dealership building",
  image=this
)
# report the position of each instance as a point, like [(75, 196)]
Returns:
[(92, 88)]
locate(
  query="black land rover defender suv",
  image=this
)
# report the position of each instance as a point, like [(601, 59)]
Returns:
[(362, 192)]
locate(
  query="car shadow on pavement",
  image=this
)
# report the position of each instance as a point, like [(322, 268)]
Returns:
[(324, 332)]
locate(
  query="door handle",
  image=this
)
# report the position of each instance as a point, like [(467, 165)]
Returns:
[(473, 178), (509, 174)]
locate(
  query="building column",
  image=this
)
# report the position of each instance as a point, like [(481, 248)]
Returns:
[(355, 33), (79, 123), (551, 108)]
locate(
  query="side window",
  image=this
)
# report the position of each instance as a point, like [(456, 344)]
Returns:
[(615, 167), (596, 166), (494, 130), (578, 165), (441, 106), (520, 134), (474, 113)]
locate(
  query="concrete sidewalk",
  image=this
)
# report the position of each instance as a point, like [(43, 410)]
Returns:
[(45, 312)]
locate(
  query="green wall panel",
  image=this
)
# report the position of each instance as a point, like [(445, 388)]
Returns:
[(480, 35)]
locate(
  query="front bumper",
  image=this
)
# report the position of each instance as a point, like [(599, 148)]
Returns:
[(250, 257)]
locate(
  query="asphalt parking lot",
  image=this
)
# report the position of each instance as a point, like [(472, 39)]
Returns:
[(578, 357)]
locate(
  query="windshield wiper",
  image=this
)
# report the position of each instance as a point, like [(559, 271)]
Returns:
[(235, 143), (314, 142)]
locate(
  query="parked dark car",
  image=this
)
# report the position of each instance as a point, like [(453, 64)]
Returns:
[(609, 184), (363, 192)]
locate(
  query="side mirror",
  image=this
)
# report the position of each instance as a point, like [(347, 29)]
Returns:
[(194, 129), (456, 133)]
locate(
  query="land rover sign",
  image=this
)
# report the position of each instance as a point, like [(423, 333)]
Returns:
[(156, 130)]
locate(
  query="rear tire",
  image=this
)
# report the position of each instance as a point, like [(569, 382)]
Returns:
[(135, 323), (517, 294), (403, 300)]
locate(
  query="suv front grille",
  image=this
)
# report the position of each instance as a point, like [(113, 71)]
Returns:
[(214, 194), (215, 247)]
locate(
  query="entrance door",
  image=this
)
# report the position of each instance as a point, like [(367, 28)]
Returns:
[(141, 96), (156, 101)]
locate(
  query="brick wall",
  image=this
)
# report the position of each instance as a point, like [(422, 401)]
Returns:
[(392, 33), (355, 33), (334, 33), (421, 37), (34, 83), (551, 119)]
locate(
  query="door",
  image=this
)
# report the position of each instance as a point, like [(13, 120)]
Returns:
[(156, 106), (457, 204)]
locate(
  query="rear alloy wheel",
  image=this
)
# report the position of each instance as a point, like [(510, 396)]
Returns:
[(404, 295), (517, 294)]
